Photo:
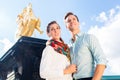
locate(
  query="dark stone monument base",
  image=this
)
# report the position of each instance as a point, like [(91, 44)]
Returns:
[(21, 62)]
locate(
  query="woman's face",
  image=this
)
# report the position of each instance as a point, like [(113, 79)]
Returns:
[(54, 31)]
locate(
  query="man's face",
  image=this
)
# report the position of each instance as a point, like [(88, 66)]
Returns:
[(71, 23)]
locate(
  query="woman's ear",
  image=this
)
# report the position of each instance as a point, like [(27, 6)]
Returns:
[(48, 34)]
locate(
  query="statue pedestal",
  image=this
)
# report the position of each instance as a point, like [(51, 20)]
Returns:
[(22, 61)]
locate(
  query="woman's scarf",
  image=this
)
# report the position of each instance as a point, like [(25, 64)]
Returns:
[(60, 47)]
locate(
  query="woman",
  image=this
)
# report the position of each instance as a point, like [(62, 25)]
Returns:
[(55, 61)]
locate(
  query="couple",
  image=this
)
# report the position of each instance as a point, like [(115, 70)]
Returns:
[(59, 61)]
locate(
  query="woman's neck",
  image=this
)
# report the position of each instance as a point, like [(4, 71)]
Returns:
[(57, 40)]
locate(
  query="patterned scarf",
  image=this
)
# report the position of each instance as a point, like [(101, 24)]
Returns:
[(60, 47)]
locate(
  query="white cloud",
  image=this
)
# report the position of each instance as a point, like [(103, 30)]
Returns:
[(112, 12), (107, 17), (7, 45), (102, 17), (115, 65), (118, 7), (108, 36)]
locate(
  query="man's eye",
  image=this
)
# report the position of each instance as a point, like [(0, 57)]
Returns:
[(58, 28)]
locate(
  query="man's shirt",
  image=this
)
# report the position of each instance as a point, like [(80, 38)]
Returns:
[(85, 53)]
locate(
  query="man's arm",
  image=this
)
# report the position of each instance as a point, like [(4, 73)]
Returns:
[(99, 57), (99, 72)]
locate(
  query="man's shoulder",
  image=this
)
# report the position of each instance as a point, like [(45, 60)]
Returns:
[(84, 35), (88, 35)]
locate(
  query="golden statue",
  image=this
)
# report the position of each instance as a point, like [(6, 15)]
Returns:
[(27, 22)]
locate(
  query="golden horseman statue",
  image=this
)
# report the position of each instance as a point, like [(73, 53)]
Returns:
[(27, 22)]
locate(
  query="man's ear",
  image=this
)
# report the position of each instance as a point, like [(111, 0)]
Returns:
[(65, 24), (79, 23)]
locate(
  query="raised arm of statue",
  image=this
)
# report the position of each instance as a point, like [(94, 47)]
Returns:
[(38, 26)]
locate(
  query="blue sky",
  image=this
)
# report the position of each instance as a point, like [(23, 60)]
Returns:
[(101, 18)]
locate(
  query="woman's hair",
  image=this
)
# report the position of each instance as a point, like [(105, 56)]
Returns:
[(70, 13)]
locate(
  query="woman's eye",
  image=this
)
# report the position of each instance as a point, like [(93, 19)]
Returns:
[(69, 21), (52, 29)]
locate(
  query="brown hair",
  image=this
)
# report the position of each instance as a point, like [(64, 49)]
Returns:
[(70, 13)]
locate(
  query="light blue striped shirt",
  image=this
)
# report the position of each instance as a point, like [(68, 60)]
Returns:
[(85, 53)]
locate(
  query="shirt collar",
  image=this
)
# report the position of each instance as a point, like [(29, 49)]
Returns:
[(78, 34)]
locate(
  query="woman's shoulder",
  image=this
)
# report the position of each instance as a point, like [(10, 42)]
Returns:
[(48, 47), (47, 50)]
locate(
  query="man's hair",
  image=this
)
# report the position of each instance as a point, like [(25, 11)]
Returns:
[(70, 13)]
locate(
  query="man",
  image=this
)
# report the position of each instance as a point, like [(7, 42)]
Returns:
[(86, 52)]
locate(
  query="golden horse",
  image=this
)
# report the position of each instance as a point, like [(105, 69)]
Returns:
[(27, 23)]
